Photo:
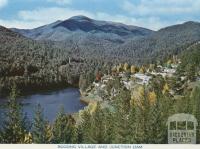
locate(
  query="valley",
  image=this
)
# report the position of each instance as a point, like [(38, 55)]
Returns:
[(27, 59), (131, 78)]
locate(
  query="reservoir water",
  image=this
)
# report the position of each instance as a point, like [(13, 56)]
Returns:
[(51, 103)]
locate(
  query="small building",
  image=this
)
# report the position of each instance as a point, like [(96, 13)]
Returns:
[(129, 85), (169, 70), (142, 78), (96, 84)]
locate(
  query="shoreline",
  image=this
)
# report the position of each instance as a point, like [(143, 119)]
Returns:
[(86, 100)]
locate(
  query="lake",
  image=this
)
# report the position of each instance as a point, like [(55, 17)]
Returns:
[(51, 103)]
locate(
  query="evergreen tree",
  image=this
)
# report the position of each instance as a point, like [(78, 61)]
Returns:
[(110, 127), (98, 125), (148, 119), (84, 129), (195, 98), (190, 71), (122, 108), (14, 127), (41, 128), (156, 124), (64, 130), (131, 129), (142, 119)]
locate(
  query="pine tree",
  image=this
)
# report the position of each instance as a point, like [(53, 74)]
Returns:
[(84, 129), (148, 120), (93, 128), (14, 127), (98, 125), (110, 127), (156, 124), (64, 130), (41, 129), (142, 119), (195, 98), (190, 72), (122, 108), (131, 136)]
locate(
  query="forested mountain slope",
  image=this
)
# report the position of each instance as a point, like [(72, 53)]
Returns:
[(29, 62), (36, 66), (113, 41), (161, 44)]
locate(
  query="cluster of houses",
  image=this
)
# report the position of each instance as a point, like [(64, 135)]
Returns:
[(165, 71), (132, 80), (143, 79)]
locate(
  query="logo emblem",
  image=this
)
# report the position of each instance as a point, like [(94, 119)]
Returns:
[(182, 129)]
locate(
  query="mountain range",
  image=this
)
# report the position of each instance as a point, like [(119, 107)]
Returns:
[(84, 36), (81, 26), (59, 53)]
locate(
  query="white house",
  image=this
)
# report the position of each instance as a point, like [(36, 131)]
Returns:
[(142, 78), (96, 84), (129, 85)]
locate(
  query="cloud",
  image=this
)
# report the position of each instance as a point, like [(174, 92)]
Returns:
[(41, 16), (162, 7), (153, 23), (3, 3), (47, 15), (145, 13), (20, 24), (27, 19), (61, 2)]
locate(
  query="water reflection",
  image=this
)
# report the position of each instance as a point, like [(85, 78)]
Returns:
[(51, 103)]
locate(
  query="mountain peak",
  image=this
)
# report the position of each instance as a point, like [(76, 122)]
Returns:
[(190, 22), (80, 18), (84, 26)]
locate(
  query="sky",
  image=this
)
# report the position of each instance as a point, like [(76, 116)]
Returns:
[(152, 14)]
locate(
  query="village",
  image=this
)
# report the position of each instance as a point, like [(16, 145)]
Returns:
[(105, 87)]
